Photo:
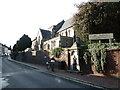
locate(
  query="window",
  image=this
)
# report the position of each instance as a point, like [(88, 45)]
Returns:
[(69, 32), (48, 46)]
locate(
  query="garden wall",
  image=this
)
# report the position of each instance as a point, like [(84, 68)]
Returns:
[(38, 57), (112, 68), (113, 60)]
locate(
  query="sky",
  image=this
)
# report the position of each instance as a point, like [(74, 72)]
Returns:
[(18, 17)]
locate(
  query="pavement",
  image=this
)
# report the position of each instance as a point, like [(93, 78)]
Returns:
[(97, 81)]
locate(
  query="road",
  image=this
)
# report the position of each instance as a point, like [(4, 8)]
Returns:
[(16, 75)]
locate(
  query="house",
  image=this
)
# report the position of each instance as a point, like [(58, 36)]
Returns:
[(4, 50), (56, 42), (62, 36), (67, 28), (66, 38), (42, 36), (55, 28)]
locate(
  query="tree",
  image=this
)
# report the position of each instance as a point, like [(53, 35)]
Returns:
[(15, 48), (97, 17), (24, 42), (14, 52)]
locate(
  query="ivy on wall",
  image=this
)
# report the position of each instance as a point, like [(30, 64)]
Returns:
[(97, 52)]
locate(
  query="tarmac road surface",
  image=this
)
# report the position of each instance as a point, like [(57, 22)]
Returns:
[(20, 76)]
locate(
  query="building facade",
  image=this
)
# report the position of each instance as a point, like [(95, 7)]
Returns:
[(42, 36), (4, 50), (63, 36)]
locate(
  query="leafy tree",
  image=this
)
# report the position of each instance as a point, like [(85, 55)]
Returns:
[(14, 52), (97, 17), (23, 43), (15, 48)]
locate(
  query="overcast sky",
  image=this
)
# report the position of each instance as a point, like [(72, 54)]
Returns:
[(18, 17)]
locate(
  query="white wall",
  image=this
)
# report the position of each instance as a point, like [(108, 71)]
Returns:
[(6, 50), (53, 43), (75, 54), (69, 31), (33, 45), (39, 39), (9, 52)]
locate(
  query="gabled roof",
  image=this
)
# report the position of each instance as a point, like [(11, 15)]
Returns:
[(68, 23), (58, 26), (45, 34), (5, 46), (34, 39)]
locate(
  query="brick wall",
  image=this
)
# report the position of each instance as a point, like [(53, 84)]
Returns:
[(112, 67), (113, 60), (39, 57)]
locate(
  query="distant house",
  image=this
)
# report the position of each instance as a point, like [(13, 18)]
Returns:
[(4, 50)]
